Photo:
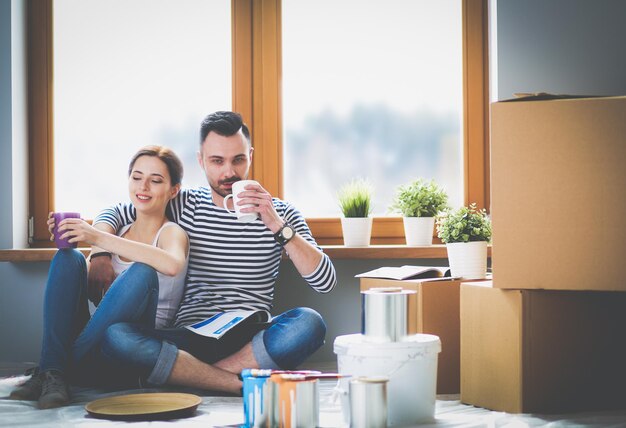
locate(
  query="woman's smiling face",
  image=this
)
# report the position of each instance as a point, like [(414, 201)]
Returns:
[(150, 186)]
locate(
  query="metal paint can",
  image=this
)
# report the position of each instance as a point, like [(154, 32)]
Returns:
[(292, 401), (255, 386), (368, 402), (384, 313)]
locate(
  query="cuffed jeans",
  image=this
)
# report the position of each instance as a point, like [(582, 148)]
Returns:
[(119, 345), (71, 339), (287, 341)]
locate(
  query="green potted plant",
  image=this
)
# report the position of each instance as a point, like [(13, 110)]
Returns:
[(419, 202), (466, 232), (355, 202)]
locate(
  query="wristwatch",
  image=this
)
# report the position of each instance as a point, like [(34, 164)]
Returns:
[(285, 234)]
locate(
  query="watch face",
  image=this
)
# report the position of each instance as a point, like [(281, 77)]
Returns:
[(287, 233)]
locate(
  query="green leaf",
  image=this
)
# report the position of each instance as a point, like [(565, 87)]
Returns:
[(355, 198), (420, 199), (464, 225)]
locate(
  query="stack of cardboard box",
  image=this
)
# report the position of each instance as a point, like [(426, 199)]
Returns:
[(549, 333)]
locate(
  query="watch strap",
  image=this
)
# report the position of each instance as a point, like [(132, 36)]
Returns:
[(100, 254), (280, 237)]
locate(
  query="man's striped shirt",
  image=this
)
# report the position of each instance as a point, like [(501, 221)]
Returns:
[(232, 265)]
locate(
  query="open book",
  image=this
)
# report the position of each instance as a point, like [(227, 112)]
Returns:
[(219, 324), (406, 272)]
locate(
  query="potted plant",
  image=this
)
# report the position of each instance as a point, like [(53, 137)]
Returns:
[(355, 202), (419, 203), (466, 232)]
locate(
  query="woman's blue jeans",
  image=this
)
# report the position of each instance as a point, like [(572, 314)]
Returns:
[(119, 344), (70, 338), (285, 343)]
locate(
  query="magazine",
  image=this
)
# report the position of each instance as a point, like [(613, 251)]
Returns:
[(219, 324), (407, 272)]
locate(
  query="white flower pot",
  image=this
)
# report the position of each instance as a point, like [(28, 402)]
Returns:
[(357, 231), (468, 259), (419, 230)]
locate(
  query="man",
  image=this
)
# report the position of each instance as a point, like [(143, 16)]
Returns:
[(232, 266)]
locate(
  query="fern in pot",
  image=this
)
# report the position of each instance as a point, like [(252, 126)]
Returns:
[(419, 202), (466, 233), (355, 200)]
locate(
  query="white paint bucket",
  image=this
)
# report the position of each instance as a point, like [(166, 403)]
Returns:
[(410, 365)]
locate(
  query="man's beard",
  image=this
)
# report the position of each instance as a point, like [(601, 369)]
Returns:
[(224, 193), (217, 190)]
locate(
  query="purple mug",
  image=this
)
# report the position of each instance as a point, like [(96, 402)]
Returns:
[(62, 243)]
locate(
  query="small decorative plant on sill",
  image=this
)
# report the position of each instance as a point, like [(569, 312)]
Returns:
[(466, 232), (419, 202), (355, 200)]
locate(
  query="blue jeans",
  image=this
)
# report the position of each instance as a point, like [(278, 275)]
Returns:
[(71, 340), (285, 343)]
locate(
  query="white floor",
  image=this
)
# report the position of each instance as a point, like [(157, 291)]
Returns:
[(228, 412)]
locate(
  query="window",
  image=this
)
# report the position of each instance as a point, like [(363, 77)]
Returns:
[(256, 86), (373, 90), (129, 74)]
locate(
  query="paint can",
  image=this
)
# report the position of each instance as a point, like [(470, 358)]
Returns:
[(292, 401), (255, 385), (368, 402), (384, 313), (255, 393)]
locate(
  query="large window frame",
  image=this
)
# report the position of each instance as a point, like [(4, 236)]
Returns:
[(256, 94)]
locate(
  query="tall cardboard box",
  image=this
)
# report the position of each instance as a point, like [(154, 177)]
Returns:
[(558, 183), (542, 351), (433, 310)]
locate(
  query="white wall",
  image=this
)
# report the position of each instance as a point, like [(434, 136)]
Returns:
[(19, 124), (561, 46), (6, 168)]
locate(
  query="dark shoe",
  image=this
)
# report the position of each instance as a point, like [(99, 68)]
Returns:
[(54, 390), (29, 390)]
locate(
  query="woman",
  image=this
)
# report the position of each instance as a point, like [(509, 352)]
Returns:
[(152, 243)]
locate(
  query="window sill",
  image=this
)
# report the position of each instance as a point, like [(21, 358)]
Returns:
[(335, 252), (32, 254), (385, 252)]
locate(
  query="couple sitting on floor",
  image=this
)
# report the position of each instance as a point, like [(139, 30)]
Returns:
[(150, 277)]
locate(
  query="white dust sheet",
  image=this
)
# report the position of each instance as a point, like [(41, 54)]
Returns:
[(218, 411)]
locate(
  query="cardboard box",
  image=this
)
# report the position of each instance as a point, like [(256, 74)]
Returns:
[(558, 197), (542, 351), (434, 310)]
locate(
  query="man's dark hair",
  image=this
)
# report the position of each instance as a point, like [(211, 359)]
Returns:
[(224, 123)]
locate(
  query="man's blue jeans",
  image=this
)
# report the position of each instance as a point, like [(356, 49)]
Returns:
[(285, 343), (119, 343), (70, 338)]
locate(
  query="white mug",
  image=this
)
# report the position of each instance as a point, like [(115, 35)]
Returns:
[(238, 186)]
